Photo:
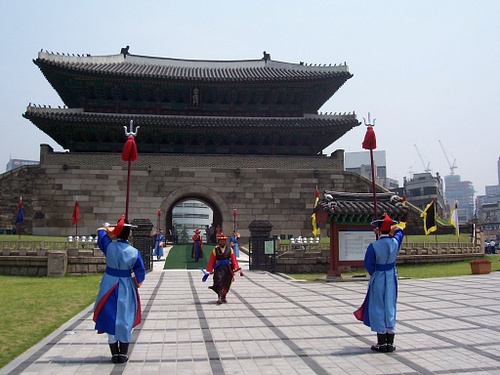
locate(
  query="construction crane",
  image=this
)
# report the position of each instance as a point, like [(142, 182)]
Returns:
[(452, 166), (426, 169)]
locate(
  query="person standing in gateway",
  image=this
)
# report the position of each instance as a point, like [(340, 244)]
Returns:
[(382, 294), (234, 243), (159, 243), (117, 308), (197, 249)]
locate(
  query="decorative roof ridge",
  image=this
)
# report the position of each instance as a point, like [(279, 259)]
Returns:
[(32, 107), (87, 58), (331, 195), (188, 63), (330, 114), (48, 109)]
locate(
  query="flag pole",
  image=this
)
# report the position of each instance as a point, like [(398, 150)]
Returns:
[(75, 216), (370, 143), (20, 216)]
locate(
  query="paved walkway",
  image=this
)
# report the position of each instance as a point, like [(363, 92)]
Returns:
[(274, 325)]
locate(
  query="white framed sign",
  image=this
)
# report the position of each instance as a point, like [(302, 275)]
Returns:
[(269, 247), (353, 244)]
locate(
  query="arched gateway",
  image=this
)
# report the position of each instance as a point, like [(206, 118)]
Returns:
[(210, 197), (242, 134)]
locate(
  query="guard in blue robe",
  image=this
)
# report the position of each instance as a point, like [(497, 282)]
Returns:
[(118, 306), (234, 242), (159, 243), (381, 297)]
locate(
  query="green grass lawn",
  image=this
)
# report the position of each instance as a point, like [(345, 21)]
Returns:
[(179, 257), (33, 307)]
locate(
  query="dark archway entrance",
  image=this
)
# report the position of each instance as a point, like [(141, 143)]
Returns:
[(217, 215), (211, 199)]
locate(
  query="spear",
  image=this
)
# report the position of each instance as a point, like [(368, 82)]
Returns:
[(370, 143), (129, 154)]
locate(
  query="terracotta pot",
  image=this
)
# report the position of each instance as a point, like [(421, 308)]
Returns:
[(480, 268)]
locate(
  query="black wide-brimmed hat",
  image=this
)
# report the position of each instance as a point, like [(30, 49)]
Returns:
[(384, 224)]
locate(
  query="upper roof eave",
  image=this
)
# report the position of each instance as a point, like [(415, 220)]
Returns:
[(90, 60), (48, 111)]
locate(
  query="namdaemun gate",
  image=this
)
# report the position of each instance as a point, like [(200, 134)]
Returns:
[(243, 136)]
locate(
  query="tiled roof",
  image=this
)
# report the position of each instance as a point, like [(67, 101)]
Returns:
[(204, 70), (358, 207), (77, 114), (77, 130)]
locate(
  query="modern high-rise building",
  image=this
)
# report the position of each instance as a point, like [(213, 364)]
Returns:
[(15, 163), (360, 162), (423, 188), (461, 192), (488, 209)]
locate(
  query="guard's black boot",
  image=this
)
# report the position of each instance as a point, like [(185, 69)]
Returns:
[(381, 345), (114, 352), (122, 357), (390, 342)]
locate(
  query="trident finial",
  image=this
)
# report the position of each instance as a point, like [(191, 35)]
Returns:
[(369, 123), (131, 132)]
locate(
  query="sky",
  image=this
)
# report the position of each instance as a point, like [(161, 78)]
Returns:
[(427, 71)]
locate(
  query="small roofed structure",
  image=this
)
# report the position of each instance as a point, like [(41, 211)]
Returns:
[(350, 216)]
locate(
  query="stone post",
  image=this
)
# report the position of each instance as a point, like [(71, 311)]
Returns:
[(57, 263), (260, 232), (142, 240)]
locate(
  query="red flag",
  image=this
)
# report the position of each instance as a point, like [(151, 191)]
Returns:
[(159, 213), (234, 212), (76, 213), (370, 141), (129, 152)]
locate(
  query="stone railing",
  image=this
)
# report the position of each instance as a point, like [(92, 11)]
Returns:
[(56, 258), (50, 258), (22, 247), (315, 257)]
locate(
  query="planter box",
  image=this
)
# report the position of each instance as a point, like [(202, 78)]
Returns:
[(480, 268)]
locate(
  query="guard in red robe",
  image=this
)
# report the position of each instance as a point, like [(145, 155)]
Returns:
[(223, 264)]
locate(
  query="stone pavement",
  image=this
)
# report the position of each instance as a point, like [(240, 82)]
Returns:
[(274, 325)]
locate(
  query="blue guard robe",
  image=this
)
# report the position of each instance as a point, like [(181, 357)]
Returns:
[(381, 297), (158, 251), (118, 307)]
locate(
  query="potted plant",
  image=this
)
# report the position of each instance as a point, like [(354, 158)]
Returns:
[(480, 266)]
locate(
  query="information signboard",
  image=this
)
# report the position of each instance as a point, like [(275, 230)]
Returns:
[(269, 247), (353, 244)]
